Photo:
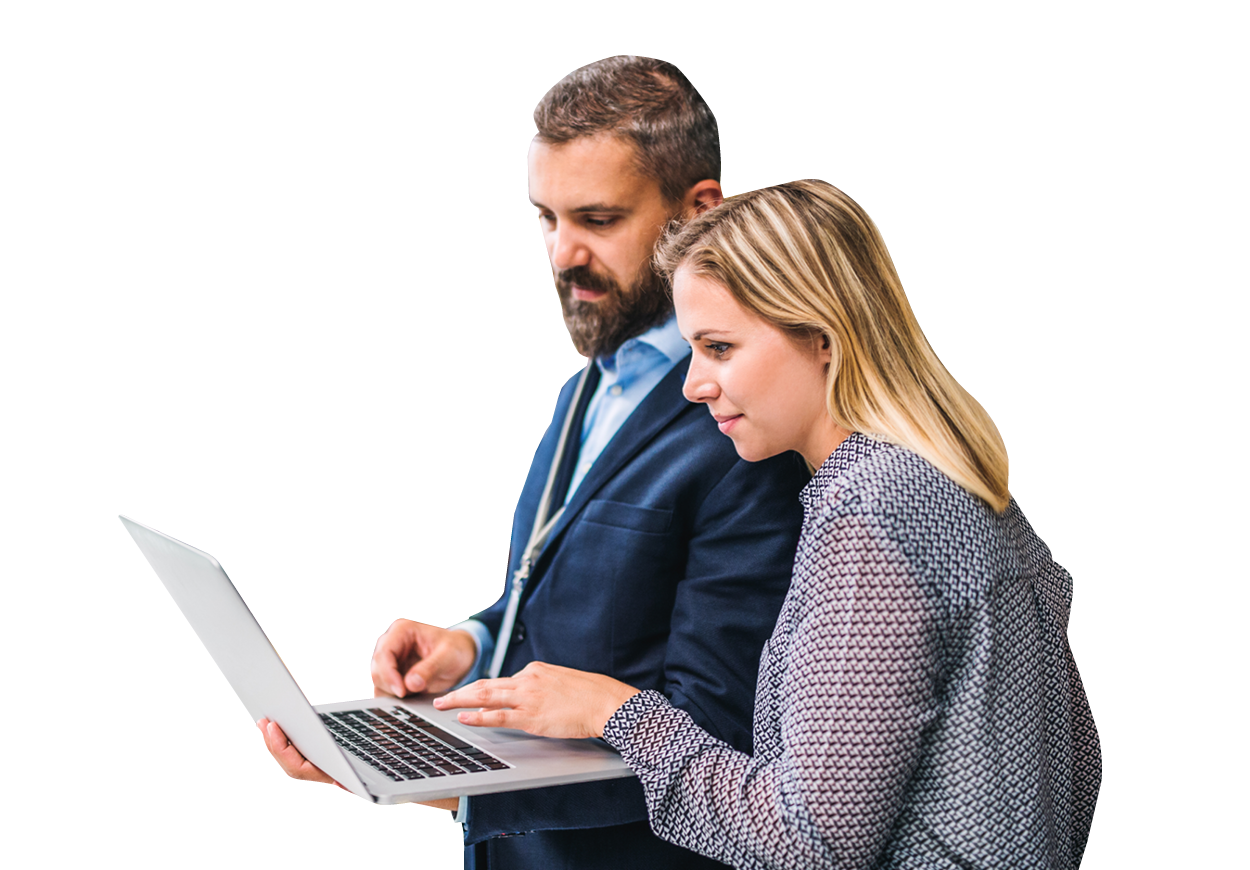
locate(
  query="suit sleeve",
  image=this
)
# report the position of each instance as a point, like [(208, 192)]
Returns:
[(740, 551), (738, 569)]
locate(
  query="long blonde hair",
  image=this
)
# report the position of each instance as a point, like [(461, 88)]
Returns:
[(805, 257)]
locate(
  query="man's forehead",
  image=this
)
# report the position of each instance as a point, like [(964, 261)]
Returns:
[(592, 173)]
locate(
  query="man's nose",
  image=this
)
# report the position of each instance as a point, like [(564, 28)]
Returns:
[(568, 249), (699, 385)]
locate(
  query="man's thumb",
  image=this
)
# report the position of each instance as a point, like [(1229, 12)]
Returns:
[(419, 675)]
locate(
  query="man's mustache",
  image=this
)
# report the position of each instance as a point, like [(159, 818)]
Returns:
[(586, 279)]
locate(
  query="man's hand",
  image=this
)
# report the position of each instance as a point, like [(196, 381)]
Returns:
[(285, 753), (542, 699), (299, 767), (414, 657)]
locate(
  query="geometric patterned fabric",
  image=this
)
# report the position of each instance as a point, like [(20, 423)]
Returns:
[(918, 705)]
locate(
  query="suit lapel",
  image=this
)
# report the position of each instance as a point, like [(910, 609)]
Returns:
[(661, 406)]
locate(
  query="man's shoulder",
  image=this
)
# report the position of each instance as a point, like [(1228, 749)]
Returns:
[(692, 447), (674, 443)]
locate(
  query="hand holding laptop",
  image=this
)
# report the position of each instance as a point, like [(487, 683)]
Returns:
[(410, 657), (284, 752), (396, 750), (297, 766)]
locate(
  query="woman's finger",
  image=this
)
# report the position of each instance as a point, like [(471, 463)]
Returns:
[(483, 693), (490, 718)]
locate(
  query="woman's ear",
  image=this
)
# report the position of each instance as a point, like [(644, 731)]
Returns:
[(825, 351)]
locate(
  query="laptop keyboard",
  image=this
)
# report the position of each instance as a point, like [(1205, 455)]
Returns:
[(403, 746)]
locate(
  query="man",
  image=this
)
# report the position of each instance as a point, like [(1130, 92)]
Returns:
[(668, 563)]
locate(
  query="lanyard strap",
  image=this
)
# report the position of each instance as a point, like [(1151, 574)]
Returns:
[(539, 532)]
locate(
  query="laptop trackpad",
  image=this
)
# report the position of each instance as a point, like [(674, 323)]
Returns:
[(507, 735)]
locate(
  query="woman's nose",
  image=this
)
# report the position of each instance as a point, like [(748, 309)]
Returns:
[(699, 385)]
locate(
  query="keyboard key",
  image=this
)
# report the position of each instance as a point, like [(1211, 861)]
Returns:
[(386, 739)]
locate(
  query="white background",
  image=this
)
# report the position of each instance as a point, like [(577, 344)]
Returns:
[(271, 284)]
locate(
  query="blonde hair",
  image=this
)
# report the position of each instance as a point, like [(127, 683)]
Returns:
[(805, 257)]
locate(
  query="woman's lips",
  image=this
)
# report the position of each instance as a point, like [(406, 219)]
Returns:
[(584, 295), (726, 422)]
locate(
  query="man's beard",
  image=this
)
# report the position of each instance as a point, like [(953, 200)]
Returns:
[(600, 328)]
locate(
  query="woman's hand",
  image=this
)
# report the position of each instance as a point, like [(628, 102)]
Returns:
[(542, 699)]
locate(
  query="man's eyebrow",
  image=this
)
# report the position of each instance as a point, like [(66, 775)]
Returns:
[(591, 208), (600, 208)]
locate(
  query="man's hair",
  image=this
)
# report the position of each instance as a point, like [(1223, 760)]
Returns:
[(647, 102)]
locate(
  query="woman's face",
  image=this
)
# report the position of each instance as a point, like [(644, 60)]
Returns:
[(766, 391)]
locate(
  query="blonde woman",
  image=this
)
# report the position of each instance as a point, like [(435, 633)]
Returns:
[(917, 703)]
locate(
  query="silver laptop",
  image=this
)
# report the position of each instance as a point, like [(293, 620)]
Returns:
[(383, 749)]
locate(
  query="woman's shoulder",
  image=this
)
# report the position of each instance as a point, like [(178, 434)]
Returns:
[(942, 529), (872, 475)]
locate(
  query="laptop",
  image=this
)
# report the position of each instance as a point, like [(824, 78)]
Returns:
[(385, 750)]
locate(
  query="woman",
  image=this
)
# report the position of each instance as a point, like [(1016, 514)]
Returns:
[(917, 704)]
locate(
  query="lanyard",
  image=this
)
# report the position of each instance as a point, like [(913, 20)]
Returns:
[(539, 532)]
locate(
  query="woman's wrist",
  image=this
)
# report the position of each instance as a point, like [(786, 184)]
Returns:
[(618, 730), (613, 701)]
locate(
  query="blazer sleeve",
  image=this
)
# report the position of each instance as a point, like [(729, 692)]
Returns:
[(738, 568), (740, 551)]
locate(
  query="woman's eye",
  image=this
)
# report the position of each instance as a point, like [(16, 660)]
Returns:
[(717, 348)]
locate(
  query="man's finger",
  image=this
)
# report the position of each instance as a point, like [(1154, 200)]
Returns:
[(437, 670), (278, 745), (418, 676), (428, 674), (385, 671), (292, 762), (283, 749)]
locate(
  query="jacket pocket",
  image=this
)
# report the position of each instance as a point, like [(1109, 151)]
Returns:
[(652, 521)]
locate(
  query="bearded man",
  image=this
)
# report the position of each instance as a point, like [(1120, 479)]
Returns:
[(660, 557)]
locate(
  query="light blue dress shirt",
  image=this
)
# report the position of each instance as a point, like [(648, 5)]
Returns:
[(625, 379)]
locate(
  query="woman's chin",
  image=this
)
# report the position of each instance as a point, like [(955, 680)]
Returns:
[(754, 452)]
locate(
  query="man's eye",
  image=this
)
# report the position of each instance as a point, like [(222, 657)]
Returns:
[(600, 222), (546, 219)]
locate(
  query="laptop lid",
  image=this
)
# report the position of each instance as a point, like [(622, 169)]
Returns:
[(240, 648), (250, 663)]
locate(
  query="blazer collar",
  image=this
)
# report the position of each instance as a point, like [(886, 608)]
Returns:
[(661, 406)]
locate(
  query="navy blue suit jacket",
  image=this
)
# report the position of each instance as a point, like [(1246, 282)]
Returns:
[(666, 571)]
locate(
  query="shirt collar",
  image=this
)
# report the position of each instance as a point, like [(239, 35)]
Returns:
[(664, 340), (853, 448)]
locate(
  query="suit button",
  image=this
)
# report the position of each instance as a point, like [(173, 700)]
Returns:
[(518, 634)]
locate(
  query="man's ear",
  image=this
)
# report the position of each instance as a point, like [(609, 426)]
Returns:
[(702, 196)]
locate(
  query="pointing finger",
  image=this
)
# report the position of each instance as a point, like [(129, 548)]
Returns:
[(490, 718), (483, 693)]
